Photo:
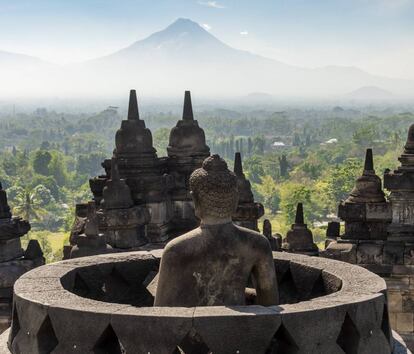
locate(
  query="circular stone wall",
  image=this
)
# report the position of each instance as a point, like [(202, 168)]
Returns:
[(103, 304)]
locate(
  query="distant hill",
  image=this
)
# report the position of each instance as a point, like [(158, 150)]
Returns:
[(186, 56), (22, 74), (8, 58), (370, 93)]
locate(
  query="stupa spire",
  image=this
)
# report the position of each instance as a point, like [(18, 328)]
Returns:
[(267, 228), (188, 107), (369, 162), (133, 113), (238, 166), (299, 219)]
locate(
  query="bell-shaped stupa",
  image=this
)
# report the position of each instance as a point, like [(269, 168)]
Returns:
[(142, 176), (187, 149), (133, 138), (248, 212), (299, 238), (187, 139), (368, 187), (366, 212), (400, 183)]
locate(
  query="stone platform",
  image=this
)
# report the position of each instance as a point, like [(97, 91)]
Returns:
[(104, 304)]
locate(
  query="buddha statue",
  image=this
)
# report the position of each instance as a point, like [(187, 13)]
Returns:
[(211, 265)]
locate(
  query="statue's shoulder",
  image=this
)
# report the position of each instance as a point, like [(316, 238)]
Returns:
[(182, 242), (252, 236)]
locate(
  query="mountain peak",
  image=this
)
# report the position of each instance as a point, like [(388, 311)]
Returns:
[(370, 93), (184, 25), (181, 37)]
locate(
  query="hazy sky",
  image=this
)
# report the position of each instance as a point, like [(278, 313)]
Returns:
[(375, 35)]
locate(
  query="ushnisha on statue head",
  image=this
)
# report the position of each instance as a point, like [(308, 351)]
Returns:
[(214, 191)]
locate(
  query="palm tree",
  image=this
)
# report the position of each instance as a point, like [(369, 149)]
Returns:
[(29, 204)]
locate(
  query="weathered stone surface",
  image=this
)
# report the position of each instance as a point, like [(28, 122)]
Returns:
[(346, 252), (33, 250), (187, 139), (14, 261), (405, 322), (159, 185), (370, 253), (247, 212), (300, 239), (92, 242), (274, 239), (218, 257), (366, 212), (401, 185), (10, 249), (393, 253), (116, 193), (367, 187), (60, 319)]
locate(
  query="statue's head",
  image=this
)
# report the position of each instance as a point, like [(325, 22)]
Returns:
[(214, 189)]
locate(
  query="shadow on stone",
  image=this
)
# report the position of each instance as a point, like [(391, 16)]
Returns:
[(46, 337), (108, 343), (192, 344), (282, 342), (348, 338)]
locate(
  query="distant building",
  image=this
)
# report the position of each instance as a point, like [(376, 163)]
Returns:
[(278, 144)]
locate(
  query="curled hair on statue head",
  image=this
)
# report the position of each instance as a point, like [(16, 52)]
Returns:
[(214, 188)]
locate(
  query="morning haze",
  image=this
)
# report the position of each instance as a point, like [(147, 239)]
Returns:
[(220, 49), (207, 176)]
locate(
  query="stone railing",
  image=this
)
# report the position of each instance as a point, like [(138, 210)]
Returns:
[(103, 304)]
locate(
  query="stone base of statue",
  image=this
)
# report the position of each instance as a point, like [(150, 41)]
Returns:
[(74, 306)]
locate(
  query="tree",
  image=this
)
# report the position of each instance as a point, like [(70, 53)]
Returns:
[(57, 169), (29, 203), (341, 180), (249, 146), (89, 164), (258, 145), (364, 136), (283, 166), (269, 193), (41, 162), (291, 195), (253, 166), (161, 140), (10, 166)]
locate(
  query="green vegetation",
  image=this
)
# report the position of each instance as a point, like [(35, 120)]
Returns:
[(46, 158)]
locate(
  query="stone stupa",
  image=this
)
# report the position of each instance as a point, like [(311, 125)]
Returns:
[(366, 212), (299, 238), (186, 150), (248, 212), (274, 239), (14, 260)]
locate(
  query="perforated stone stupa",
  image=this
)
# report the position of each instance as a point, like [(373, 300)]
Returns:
[(379, 233), (299, 238), (147, 198), (248, 211)]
